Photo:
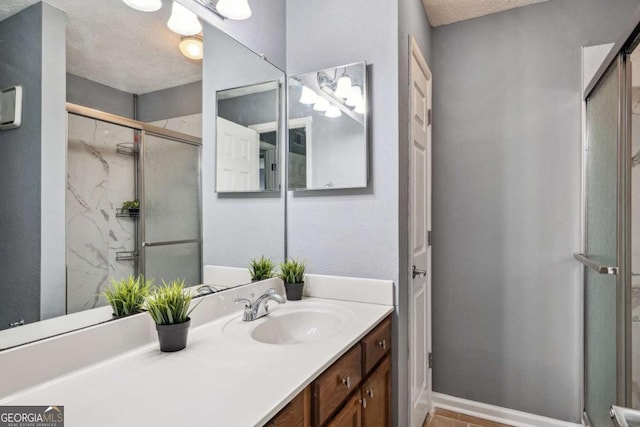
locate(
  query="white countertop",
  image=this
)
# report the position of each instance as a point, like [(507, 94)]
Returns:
[(223, 377)]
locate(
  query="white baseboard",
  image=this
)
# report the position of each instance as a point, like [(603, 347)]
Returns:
[(496, 413)]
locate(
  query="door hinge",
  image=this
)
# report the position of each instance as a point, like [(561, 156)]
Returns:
[(430, 360), (429, 114), (429, 242)]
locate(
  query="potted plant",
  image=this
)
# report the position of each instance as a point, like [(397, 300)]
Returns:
[(132, 206), (292, 274), (169, 305), (127, 296), (261, 269)]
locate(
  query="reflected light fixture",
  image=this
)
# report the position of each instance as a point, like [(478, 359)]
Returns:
[(144, 5), (183, 21), (333, 112), (321, 105), (360, 108), (234, 9), (192, 47), (308, 96), (355, 96), (343, 87)]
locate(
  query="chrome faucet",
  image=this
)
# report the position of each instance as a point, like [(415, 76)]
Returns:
[(259, 308)]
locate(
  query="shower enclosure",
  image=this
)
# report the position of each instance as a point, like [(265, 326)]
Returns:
[(611, 236), (111, 160)]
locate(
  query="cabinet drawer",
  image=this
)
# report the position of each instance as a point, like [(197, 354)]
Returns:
[(332, 387), (376, 344)]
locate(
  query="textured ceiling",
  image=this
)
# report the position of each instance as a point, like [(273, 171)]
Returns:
[(442, 12), (112, 44)]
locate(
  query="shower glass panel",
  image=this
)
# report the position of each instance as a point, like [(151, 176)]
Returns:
[(601, 245), (172, 242)]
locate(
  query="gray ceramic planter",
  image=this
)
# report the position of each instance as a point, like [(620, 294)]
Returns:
[(173, 337), (294, 291)]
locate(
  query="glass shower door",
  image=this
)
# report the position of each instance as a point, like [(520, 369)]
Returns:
[(171, 230), (604, 332)]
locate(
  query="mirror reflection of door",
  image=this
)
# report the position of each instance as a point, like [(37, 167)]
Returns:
[(246, 139)]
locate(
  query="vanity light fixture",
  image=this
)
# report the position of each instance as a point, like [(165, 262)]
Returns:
[(360, 109), (183, 21), (343, 87), (355, 96), (321, 105), (333, 112), (192, 47), (144, 5), (234, 9), (308, 96)]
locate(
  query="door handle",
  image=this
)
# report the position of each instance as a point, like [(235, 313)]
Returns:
[(418, 273)]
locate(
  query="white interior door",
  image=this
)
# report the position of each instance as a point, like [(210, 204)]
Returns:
[(238, 157), (419, 229)]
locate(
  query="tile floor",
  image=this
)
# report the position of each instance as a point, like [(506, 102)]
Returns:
[(444, 418)]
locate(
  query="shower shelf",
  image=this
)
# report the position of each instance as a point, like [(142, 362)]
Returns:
[(128, 148), (126, 213), (127, 256)]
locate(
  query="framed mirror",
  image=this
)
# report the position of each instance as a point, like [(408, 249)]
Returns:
[(247, 148), (327, 127), (66, 232)]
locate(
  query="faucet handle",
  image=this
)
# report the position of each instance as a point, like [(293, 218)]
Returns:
[(247, 302)]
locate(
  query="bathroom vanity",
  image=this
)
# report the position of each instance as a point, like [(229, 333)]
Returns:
[(320, 361)]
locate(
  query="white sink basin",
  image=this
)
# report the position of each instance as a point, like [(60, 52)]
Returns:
[(291, 323), (297, 327)]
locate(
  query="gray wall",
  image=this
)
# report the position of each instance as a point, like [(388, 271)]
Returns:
[(164, 104), (352, 232), (507, 149), (27, 213), (264, 32), (53, 164), (235, 227), (252, 109), (90, 94)]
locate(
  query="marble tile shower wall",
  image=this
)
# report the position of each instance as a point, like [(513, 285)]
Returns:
[(99, 179), (191, 124)]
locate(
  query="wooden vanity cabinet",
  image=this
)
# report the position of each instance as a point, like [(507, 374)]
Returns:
[(297, 413), (353, 392)]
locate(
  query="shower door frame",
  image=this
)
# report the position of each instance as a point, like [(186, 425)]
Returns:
[(619, 57), (141, 130)]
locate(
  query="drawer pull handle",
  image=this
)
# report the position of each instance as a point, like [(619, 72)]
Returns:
[(347, 382), (370, 393), (363, 402), (382, 344)]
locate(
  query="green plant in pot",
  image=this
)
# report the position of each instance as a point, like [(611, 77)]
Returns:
[(127, 296), (261, 269), (292, 274), (132, 206), (169, 305)]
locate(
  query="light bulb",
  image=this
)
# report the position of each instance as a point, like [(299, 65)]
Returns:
[(234, 9), (355, 96), (144, 5), (361, 108), (192, 47), (308, 96), (183, 21), (344, 87), (321, 105), (333, 112)]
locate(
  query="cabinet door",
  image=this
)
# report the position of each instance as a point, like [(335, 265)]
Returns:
[(296, 414), (350, 415), (376, 391)]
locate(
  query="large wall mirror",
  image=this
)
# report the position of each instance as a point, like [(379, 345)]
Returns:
[(328, 129), (133, 129)]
